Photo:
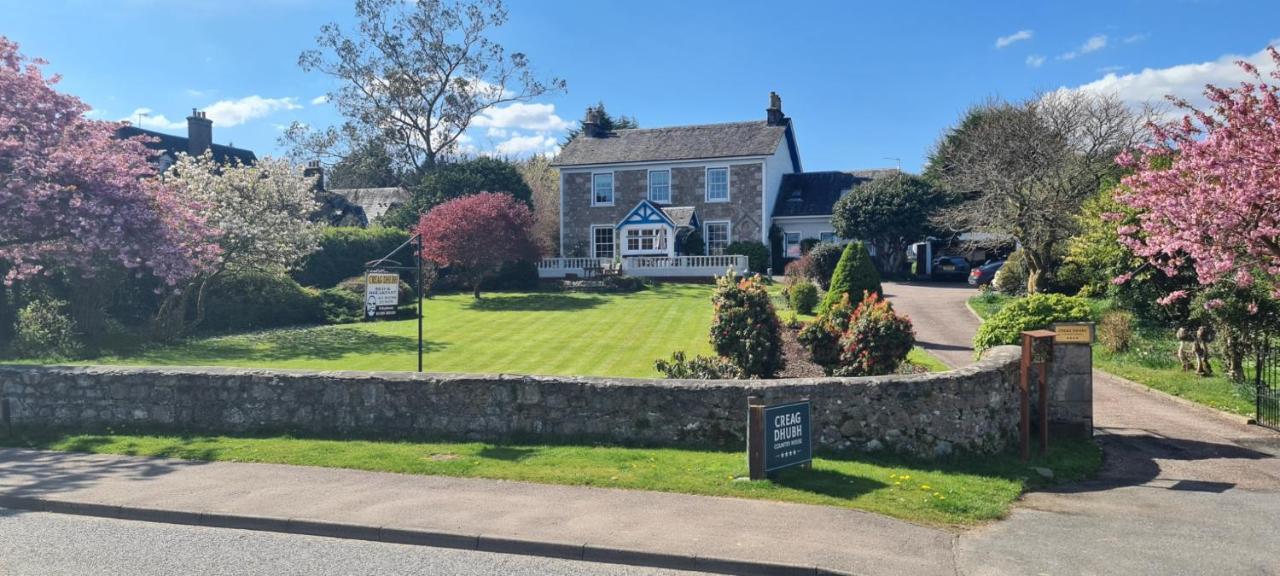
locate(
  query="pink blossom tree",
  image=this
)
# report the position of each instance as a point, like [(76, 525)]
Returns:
[(73, 195), (476, 234), (1208, 188)]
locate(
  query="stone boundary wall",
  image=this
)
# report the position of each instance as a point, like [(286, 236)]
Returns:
[(972, 409)]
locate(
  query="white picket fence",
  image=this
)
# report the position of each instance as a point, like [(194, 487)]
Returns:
[(651, 266)]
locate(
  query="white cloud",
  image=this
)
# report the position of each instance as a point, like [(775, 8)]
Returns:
[(522, 116), (1185, 81), (494, 132), (1093, 44), (143, 118), (321, 99), (528, 145), (1110, 69), (1134, 38), (1035, 60), (192, 92), (1018, 36), (236, 112)]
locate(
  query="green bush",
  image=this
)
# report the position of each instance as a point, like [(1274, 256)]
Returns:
[(756, 252), (822, 336), (877, 341), (521, 275), (824, 258), (45, 330), (693, 244), (1012, 277), (807, 244), (854, 275), (804, 296), (1115, 331), (745, 328), (697, 368), (1030, 313), (344, 251), (340, 306), (255, 300)]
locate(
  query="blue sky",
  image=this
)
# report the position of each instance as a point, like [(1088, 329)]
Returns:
[(865, 82)]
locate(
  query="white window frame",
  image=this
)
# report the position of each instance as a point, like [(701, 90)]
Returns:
[(787, 244), (612, 231), (706, 181), (613, 189), (649, 186), (706, 234), (661, 241)]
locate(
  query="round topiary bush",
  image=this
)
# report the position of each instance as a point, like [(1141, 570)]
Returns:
[(745, 328), (854, 275), (804, 296), (824, 257), (1033, 312)]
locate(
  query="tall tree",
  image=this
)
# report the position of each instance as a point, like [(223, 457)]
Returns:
[(889, 213), (368, 165), (608, 123), (474, 235), (455, 180), (73, 195), (415, 74), (544, 181), (1208, 188), (1025, 168)]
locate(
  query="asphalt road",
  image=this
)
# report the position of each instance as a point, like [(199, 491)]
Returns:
[(944, 326), (36, 543)]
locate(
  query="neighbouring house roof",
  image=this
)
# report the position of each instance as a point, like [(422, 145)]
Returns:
[(682, 215), (730, 140), (375, 201), (172, 145), (815, 193)]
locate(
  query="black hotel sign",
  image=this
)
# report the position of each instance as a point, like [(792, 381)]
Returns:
[(778, 436)]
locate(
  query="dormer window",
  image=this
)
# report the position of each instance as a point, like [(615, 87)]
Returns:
[(660, 186)]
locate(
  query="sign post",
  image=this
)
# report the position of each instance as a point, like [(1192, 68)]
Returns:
[(1037, 352), (378, 295), (381, 295), (778, 436)]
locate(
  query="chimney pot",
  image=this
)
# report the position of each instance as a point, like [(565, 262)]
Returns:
[(773, 114), (199, 133), (315, 169), (592, 126)]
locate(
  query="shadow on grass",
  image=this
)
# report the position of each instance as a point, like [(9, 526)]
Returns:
[(325, 343), (506, 453), (827, 483), (536, 303)]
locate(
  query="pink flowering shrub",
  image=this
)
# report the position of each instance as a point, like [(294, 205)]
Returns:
[(1208, 189), (745, 328), (877, 341), (73, 195)]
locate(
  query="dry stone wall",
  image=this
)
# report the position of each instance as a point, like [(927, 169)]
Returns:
[(973, 409)]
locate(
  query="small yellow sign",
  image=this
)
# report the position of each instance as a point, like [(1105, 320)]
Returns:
[(1073, 333)]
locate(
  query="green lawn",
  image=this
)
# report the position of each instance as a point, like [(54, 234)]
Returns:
[(960, 491), (528, 333), (1150, 361)]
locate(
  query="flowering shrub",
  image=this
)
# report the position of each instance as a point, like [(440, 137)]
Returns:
[(745, 329), (1030, 313), (797, 272), (822, 336), (877, 340), (697, 368), (1115, 331), (804, 296), (46, 330)]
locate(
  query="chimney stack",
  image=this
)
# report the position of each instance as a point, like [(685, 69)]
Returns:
[(592, 128), (774, 111), (315, 169), (199, 133)]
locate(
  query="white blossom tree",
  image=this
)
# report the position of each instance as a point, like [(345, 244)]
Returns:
[(261, 213)]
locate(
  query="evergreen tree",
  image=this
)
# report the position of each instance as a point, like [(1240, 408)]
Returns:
[(607, 123), (854, 275)]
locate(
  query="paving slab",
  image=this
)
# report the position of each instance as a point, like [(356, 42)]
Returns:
[(709, 533)]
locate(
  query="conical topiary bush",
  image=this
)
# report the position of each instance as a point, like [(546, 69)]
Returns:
[(854, 275)]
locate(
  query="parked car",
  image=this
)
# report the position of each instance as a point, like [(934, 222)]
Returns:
[(985, 273), (950, 267)]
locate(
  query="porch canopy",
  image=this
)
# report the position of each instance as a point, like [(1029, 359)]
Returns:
[(653, 230)]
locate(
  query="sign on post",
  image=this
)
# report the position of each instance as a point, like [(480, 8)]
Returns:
[(778, 436), (1073, 333), (381, 295)]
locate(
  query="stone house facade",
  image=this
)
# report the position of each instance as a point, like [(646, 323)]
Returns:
[(640, 192)]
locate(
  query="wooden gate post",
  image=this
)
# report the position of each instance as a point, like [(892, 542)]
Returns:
[(755, 438), (1034, 342)]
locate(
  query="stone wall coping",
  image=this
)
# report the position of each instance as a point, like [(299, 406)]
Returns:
[(996, 358)]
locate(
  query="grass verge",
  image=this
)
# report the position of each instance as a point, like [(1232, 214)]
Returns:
[(960, 491)]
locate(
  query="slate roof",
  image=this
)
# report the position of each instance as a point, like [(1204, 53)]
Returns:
[(815, 193), (375, 201), (172, 145), (681, 215), (730, 140)]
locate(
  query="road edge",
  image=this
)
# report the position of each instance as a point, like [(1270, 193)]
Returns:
[(585, 551)]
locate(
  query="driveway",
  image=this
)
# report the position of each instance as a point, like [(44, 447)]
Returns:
[(1183, 490), (944, 327)]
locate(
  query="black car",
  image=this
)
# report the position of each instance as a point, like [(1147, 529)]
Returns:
[(950, 267), (985, 273)]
